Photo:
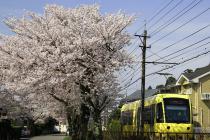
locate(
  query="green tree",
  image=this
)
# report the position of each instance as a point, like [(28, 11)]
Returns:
[(115, 115), (150, 87), (170, 81)]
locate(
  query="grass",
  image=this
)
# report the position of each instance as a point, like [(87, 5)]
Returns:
[(67, 138)]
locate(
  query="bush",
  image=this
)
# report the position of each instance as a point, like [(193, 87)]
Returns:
[(37, 129), (114, 126), (67, 138), (9, 132), (17, 131)]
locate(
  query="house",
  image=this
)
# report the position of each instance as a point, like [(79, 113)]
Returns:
[(197, 85)]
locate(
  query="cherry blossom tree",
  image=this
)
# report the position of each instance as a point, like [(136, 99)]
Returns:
[(69, 54), (8, 105)]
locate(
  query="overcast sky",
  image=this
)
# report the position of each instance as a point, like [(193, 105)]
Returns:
[(191, 21)]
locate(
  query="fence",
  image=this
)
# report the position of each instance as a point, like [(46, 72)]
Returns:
[(156, 136)]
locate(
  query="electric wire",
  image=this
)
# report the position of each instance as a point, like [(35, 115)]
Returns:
[(180, 26), (153, 17), (176, 41), (191, 45), (139, 68), (197, 31), (168, 12), (173, 52), (187, 52), (174, 18), (168, 68)]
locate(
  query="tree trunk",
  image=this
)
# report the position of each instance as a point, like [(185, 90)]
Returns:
[(97, 132), (84, 117), (74, 123)]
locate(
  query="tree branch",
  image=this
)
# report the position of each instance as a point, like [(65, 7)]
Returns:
[(57, 98)]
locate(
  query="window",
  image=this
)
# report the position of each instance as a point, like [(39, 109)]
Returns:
[(127, 117), (177, 110), (147, 114), (159, 113)]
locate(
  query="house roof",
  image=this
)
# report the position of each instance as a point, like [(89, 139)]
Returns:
[(194, 76), (136, 95), (198, 72)]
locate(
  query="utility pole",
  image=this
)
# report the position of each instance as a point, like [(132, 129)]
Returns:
[(143, 39), (144, 48)]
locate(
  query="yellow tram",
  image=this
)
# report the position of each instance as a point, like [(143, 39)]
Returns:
[(163, 114)]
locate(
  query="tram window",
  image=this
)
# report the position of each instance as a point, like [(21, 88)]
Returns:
[(159, 113), (152, 113), (147, 114), (127, 117), (177, 110)]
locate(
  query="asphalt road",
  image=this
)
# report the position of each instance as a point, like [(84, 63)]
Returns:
[(49, 137)]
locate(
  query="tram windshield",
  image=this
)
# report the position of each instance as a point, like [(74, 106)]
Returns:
[(177, 110)]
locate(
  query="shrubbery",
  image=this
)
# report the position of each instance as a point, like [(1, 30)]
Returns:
[(7, 132), (114, 126)]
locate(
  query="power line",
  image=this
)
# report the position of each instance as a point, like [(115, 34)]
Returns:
[(181, 26), (135, 48), (156, 54), (128, 76), (189, 51), (183, 38), (176, 17), (159, 11), (134, 66), (153, 18), (130, 81), (185, 11), (168, 12), (133, 51), (189, 59), (191, 45), (176, 41), (179, 66), (173, 54), (179, 54), (197, 31), (186, 60), (139, 66)]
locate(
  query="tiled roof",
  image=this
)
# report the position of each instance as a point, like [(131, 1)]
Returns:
[(198, 72)]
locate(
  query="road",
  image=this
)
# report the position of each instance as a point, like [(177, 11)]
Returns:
[(49, 137)]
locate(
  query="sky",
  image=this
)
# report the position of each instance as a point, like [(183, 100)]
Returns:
[(156, 14)]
